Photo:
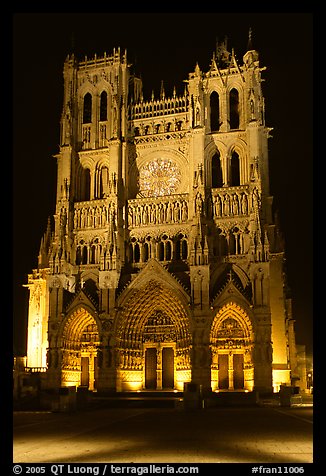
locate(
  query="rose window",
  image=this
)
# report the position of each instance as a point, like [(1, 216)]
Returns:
[(159, 177)]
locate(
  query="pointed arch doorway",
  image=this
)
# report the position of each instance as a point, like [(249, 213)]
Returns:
[(79, 342), (159, 343), (153, 340), (232, 343)]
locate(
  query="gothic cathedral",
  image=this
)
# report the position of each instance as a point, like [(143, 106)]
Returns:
[(165, 265)]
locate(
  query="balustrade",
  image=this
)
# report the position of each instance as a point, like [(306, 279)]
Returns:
[(159, 107), (144, 212), (95, 214), (234, 201)]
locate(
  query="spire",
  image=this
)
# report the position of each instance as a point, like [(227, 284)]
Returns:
[(222, 54), (197, 69), (251, 55), (162, 93), (249, 45)]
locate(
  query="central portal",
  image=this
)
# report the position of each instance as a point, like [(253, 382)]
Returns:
[(152, 337), (159, 368)]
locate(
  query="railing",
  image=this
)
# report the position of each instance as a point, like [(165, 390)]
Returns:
[(157, 211), (232, 201), (94, 214), (159, 107), (35, 369)]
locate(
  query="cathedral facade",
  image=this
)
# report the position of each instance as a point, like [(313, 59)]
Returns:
[(165, 264)]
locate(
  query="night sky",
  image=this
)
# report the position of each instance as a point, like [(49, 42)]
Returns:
[(163, 46)]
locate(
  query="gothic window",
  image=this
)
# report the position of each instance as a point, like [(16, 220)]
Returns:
[(104, 106), (184, 249), (234, 170), (217, 180), (78, 255), (136, 253), (86, 185), (93, 253), (168, 251), (145, 252), (87, 111), (130, 249), (161, 251), (104, 180), (84, 255), (215, 112), (234, 109), (178, 249), (231, 244)]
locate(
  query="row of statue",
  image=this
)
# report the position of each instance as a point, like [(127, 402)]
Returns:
[(95, 217), (172, 211), (158, 213)]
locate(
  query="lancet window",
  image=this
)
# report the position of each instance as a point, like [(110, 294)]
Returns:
[(164, 249), (85, 185), (217, 179), (215, 112), (87, 109), (234, 109), (104, 106), (234, 179)]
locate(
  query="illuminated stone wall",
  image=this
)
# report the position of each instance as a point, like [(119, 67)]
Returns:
[(164, 265)]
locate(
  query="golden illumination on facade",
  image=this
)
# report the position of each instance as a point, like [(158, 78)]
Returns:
[(79, 343), (164, 266), (37, 341), (232, 343)]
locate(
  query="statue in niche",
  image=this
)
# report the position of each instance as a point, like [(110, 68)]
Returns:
[(176, 212), (152, 213), (226, 205), (255, 199), (198, 203), (184, 211), (217, 206), (235, 204), (244, 204)]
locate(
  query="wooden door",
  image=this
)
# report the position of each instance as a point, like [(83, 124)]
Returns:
[(84, 381), (150, 368), (238, 375), (223, 371), (167, 367)]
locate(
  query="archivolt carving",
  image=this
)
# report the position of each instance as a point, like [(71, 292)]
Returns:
[(74, 327), (231, 326), (152, 313)]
